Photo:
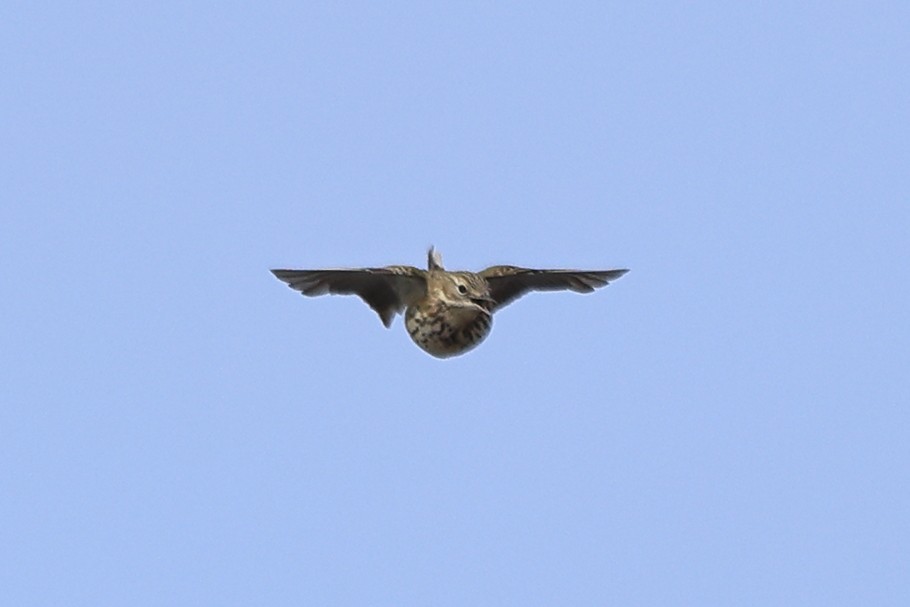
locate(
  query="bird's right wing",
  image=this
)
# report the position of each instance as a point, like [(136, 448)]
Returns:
[(387, 290)]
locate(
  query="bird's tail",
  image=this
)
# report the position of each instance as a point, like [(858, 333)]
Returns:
[(434, 259)]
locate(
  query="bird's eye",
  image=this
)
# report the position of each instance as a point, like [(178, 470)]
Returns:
[(462, 289)]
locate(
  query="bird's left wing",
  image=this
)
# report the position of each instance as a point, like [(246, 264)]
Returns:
[(387, 290), (508, 283)]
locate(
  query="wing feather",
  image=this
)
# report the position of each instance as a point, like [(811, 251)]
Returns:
[(508, 283), (387, 290)]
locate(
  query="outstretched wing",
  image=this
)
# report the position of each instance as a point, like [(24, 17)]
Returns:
[(508, 283), (387, 290)]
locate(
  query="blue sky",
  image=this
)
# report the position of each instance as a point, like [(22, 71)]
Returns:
[(725, 425)]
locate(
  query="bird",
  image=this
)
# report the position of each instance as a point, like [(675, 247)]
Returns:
[(446, 313)]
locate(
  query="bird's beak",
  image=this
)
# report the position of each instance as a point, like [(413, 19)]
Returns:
[(484, 301)]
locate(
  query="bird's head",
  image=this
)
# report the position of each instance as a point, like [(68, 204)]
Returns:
[(465, 290)]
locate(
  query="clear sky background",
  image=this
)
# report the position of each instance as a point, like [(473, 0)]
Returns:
[(726, 425)]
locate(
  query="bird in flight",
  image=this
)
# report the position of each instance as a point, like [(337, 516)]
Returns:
[(446, 313)]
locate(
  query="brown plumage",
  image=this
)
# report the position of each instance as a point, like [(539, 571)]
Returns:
[(446, 313)]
